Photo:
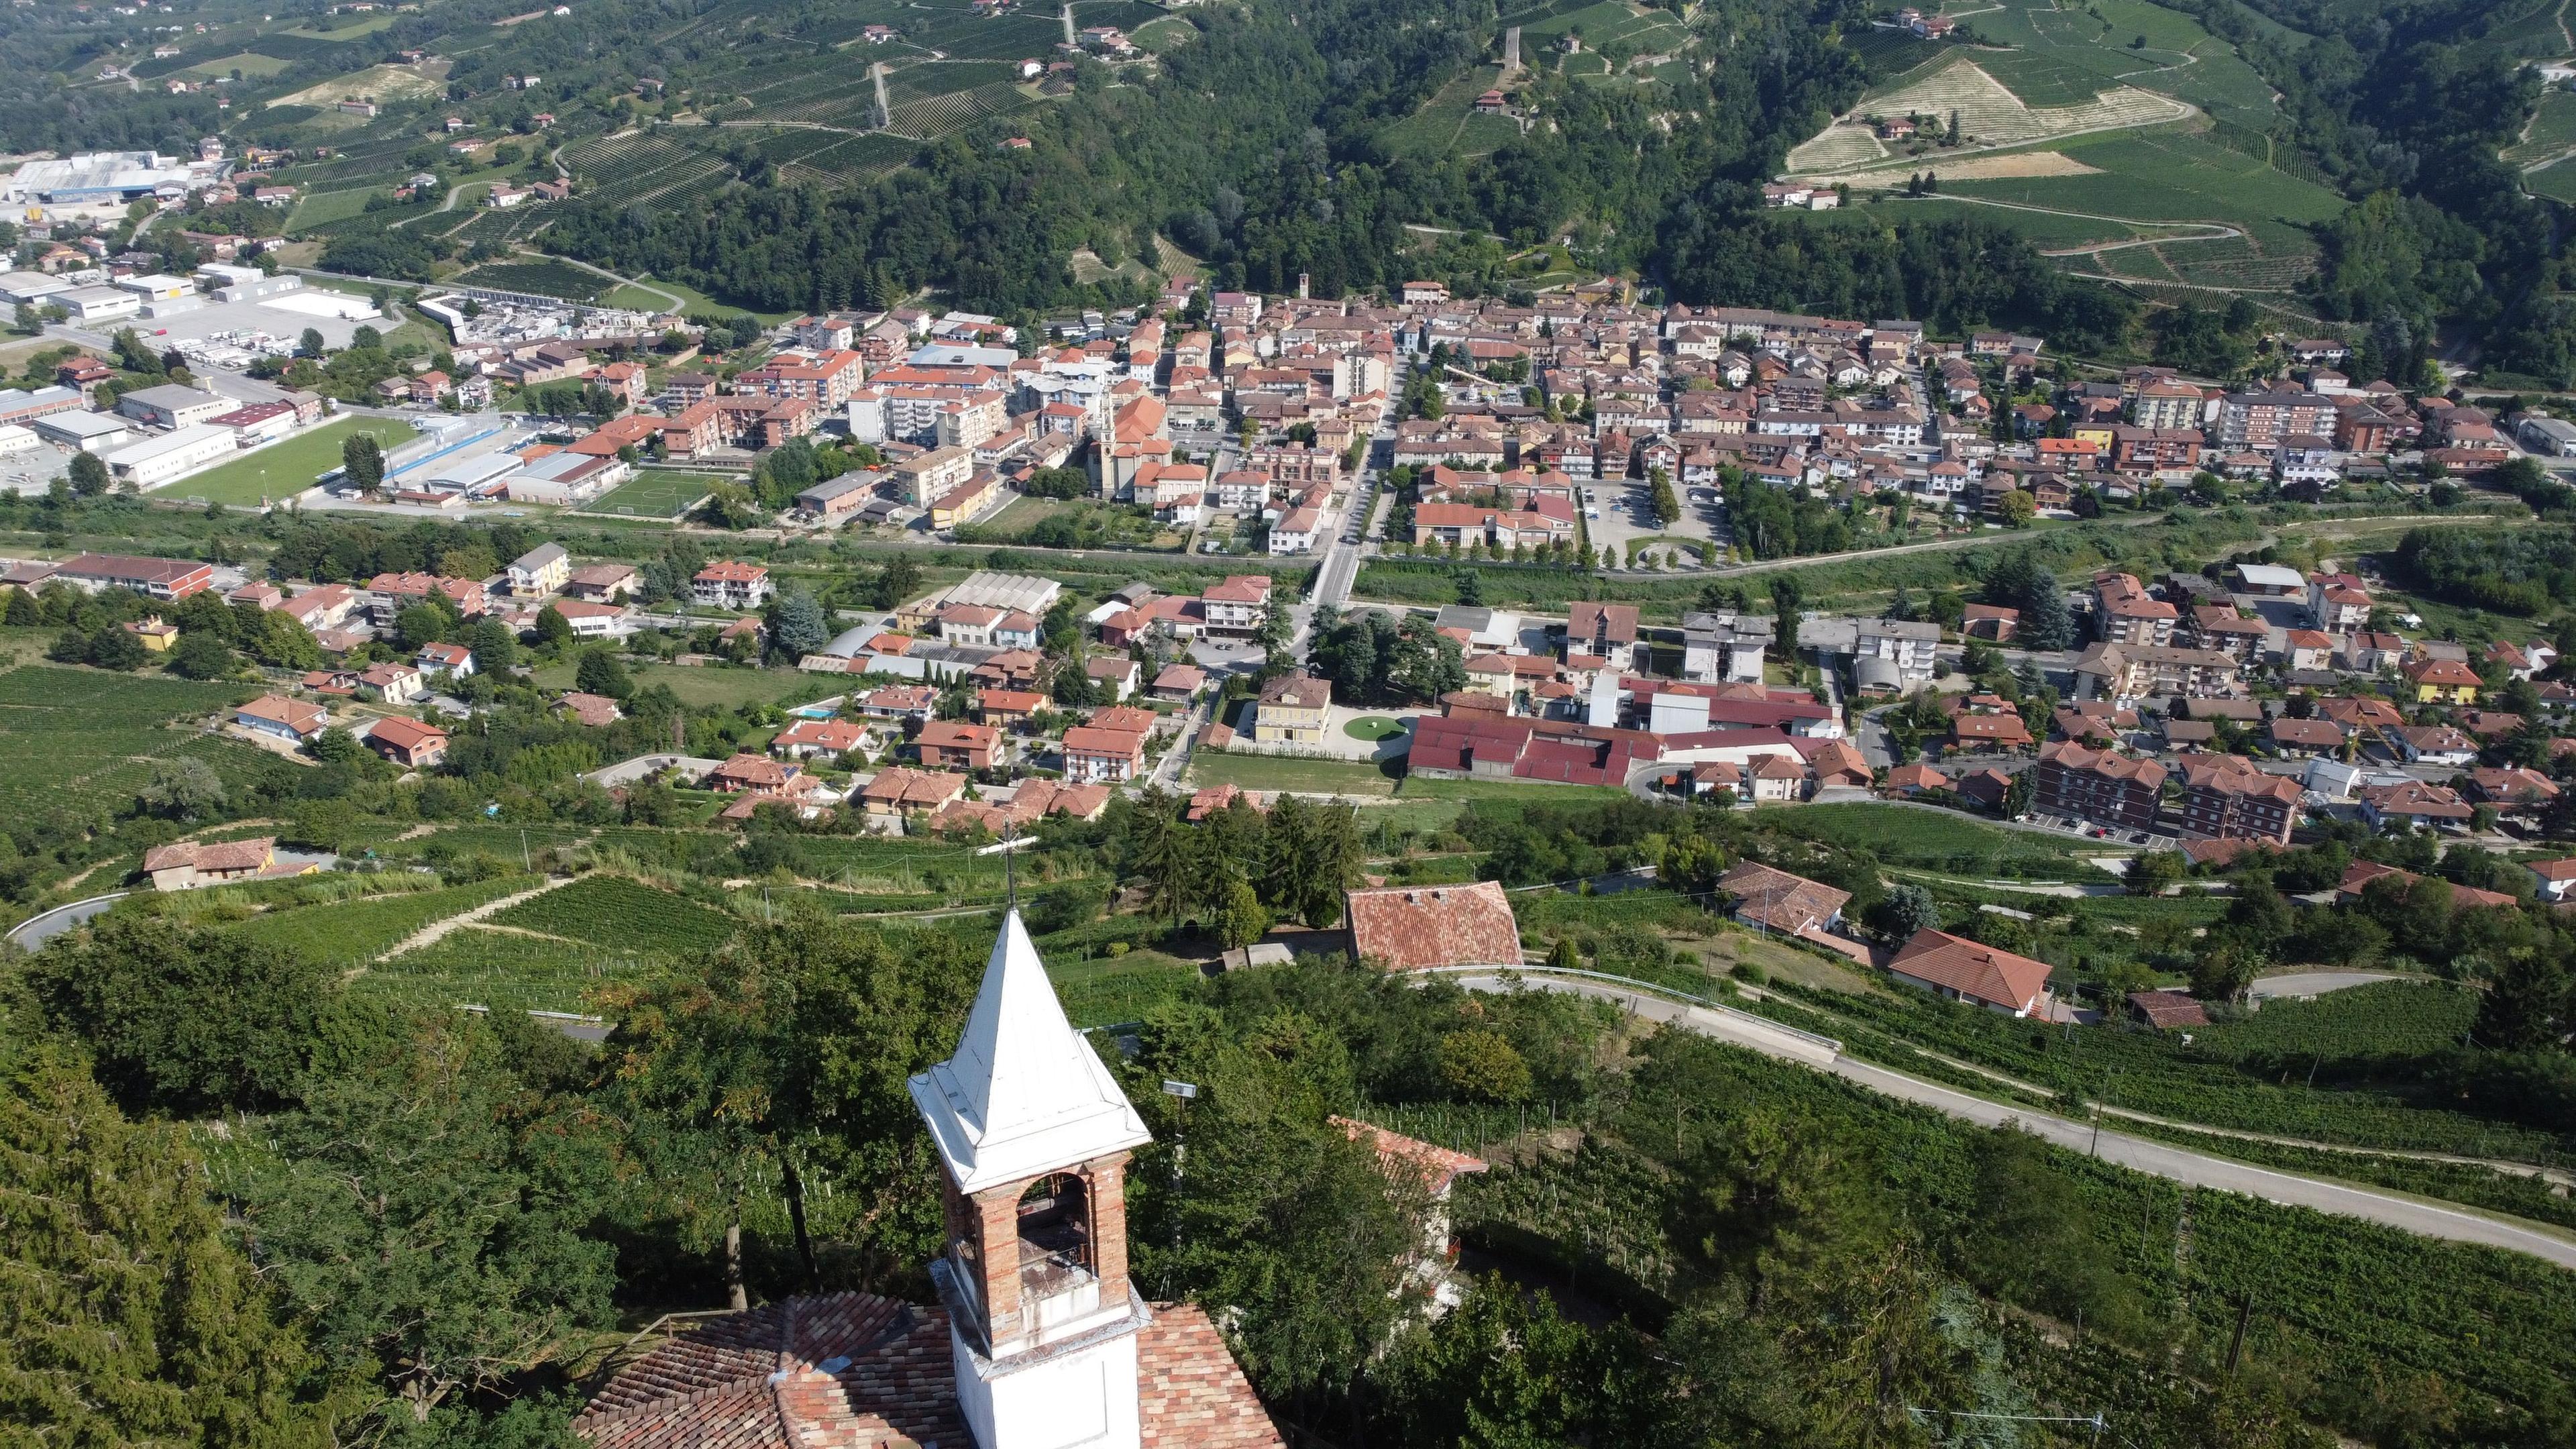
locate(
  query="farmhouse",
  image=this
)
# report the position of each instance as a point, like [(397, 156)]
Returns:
[(1422, 928)]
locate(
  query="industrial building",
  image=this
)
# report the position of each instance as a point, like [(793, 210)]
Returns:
[(155, 462), (99, 178)]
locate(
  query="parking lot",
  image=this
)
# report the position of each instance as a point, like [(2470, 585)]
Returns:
[(1625, 512)]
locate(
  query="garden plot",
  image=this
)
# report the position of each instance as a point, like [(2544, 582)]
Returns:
[(1991, 117)]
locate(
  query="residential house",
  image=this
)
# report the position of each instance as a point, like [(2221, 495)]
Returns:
[(1292, 709), (278, 717), (807, 738), (1958, 969), (2413, 803), (947, 744), (1107, 756), (540, 571), (188, 864), (1778, 902), (2441, 681), (408, 742), (452, 659), (731, 584), (394, 683)]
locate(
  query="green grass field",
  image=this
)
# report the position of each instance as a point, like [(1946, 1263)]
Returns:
[(1164, 35), (620, 914), (2044, 229), (1372, 727), (499, 970), (1416, 788), (282, 470), (704, 684), (2552, 131), (656, 493), (318, 207), (1938, 840), (2063, 55), (1438, 127), (1279, 772)]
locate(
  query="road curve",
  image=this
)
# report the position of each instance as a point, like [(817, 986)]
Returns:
[(2138, 1153), (36, 930)]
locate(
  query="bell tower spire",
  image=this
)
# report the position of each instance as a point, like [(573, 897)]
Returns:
[(1034, 1136)]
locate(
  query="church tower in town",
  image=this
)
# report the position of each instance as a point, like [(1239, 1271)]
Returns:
[(1035, 1136)]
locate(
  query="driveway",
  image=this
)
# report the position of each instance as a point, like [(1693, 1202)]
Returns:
[(2137, 1153)]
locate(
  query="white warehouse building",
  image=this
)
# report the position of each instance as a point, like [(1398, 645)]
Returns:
[(153, 463)]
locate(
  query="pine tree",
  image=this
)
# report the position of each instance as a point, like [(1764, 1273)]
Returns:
[(125, 1317)]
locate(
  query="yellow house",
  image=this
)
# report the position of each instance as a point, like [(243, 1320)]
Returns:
[(965, 500), (158, 637), (1292, 710), (2442, 681)]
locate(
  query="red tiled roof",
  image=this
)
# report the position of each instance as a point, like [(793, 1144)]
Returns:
[(1437, 1165), (755, 1379), (405, 734), (1974, 970), (751, 772), (835, 735), (230, 855), (1414, 928), (2358, 876), (1190, 1393), (1778, 900), (2167, 1009)]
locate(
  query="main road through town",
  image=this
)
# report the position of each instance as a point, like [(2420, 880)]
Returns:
[(2142, 1154), (1341, 560)]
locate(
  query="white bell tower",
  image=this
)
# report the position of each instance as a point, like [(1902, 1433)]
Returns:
[(1035, 1136)]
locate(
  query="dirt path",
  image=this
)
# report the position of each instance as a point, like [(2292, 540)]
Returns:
[(436, 931)]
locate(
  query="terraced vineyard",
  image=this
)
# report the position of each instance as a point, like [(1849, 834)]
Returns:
[(352, 933), (936, 116), (545, 278), (497, 970), (631, 168), (615, 912), (86, 740)]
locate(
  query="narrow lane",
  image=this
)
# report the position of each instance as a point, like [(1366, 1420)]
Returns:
[(2138, 1153)]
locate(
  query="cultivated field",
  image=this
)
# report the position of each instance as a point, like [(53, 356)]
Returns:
[(1280, 772)]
